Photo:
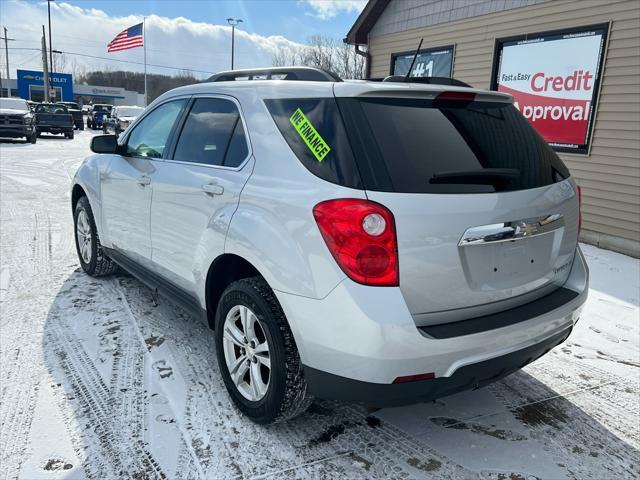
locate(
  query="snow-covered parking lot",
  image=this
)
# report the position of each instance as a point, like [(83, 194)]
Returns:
[(100, 381)]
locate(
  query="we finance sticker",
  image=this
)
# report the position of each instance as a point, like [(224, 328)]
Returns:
[(309, 135)]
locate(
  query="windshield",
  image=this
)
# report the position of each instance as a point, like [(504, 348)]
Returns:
[(51, 108), (422, 146), (102, 108), (129, 111), (14, 104)]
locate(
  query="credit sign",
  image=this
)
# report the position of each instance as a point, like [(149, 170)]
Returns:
[(554, 78)]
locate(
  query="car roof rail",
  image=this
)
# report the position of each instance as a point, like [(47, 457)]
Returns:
[(277, 73), (452, 82)]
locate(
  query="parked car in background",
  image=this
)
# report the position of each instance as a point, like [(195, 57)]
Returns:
[(98, 114), (32, 105), (85, 109), (16, 119), (120, 118), (76, 113), (379, 242), (53, 118)]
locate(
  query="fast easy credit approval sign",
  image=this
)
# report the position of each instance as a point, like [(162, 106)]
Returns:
[(553, 79)]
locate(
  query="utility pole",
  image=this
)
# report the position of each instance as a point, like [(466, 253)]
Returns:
[(50, 44), (233, 22), (45, 68), (6, 55)]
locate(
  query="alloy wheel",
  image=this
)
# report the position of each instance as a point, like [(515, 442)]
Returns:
[(246, 353), (83, 234)]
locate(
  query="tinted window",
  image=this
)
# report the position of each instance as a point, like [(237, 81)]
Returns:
[(149, 138), (212, 134), (457, 147), (310, 145)]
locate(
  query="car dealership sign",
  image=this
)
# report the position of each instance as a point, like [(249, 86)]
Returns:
[(554, 81)]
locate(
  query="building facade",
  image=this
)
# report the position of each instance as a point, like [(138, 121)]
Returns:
[(573, 67)]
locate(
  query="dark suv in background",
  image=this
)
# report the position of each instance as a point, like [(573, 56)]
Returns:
[(74, 109)]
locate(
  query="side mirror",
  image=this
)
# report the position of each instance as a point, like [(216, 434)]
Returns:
[(104, 144)]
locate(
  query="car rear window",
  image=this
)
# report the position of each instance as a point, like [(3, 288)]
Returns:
[(51, 108), (422, 146), (314, 130)]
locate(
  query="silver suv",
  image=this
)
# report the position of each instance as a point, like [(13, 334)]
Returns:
[(378, 242)]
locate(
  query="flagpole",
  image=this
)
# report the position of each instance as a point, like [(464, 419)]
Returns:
[(144, 46)]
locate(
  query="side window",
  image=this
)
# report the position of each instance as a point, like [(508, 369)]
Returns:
[(212, 134), (150, 137)]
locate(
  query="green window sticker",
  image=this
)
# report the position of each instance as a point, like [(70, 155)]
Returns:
[(310, 135)]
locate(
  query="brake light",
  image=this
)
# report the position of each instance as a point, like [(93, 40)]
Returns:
[(361, 236), (456, 96), (579, 190)]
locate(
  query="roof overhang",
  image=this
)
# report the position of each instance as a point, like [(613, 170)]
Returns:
[(359, 32)]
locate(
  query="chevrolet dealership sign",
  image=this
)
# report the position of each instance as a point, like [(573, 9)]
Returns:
[(30, 81)]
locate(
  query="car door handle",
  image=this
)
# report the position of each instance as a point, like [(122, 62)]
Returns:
[(213, 189), (143, 181)]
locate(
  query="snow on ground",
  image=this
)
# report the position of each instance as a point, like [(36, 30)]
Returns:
[(99, 381)]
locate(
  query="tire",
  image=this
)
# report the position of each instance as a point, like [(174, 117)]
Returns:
[(70, 135), (81, 126), (33, 138), (38, 134), (96, 263), (286, 390), (88, 123)]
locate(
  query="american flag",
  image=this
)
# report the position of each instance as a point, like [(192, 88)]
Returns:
[(129, 38)]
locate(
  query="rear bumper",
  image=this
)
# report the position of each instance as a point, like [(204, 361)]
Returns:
[(55, 128), (470, 377), (368, 335)]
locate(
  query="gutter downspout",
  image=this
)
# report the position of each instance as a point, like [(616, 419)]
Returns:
[(367, 60)]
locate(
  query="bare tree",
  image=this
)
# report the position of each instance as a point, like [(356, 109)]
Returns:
[(323, 52)]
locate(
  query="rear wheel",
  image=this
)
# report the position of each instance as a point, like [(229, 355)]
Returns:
[(257, 354), (69, 135), (92, 258)]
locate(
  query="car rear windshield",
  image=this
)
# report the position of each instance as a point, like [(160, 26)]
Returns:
[(51, 108), (426, 146)]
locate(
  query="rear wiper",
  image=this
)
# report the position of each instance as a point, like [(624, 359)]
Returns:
[(485, 176)]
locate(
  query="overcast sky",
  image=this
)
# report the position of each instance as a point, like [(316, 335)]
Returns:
[(183, 34)]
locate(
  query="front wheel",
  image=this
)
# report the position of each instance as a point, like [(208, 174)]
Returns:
[(32, 138), (257, 354), (92, 258)]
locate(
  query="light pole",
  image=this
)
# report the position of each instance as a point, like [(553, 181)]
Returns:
[(233, 22), (50, 44)]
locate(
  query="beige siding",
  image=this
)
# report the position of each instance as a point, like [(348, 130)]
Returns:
[(610, 174)]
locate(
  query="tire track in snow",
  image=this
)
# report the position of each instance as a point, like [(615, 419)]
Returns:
[(333, 437)]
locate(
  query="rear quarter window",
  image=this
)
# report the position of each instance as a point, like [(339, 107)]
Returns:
[(324, 148)]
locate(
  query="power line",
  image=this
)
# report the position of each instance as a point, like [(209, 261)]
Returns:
[(118, 60)]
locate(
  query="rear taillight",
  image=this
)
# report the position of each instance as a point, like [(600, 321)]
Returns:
[(579, 190), (361, 236), (456, 97)]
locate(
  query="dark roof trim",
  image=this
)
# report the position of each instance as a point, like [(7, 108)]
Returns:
[(359, 33)]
